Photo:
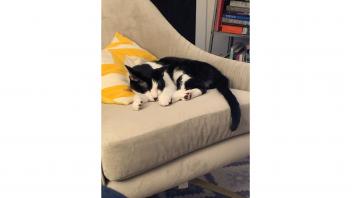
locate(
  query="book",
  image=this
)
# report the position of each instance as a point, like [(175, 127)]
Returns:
[(239, 51), (231, 53), (218, 16), (238, 47), (237, 9), (234, 29), (234, 21), (247, 56), (243, 55), (239, 4), (240, 57), (236, 13), (234, 24), (236, 16)]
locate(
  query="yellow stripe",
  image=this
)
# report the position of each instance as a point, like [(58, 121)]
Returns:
[(122, 38), (110, 93), (113, 68), (113, 45), (123, 42), (119, 38)]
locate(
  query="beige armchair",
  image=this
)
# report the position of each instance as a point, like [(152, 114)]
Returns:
[(157, 148)]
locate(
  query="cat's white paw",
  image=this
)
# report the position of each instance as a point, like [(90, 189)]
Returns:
[(137, 105), (164, 100), (187, 95)]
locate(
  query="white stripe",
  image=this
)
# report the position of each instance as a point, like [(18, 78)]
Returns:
[(133, 60), (154, 65), (106, 57), (115, 39), (114, 79), (124, 100), (177, 74), (185, 78)]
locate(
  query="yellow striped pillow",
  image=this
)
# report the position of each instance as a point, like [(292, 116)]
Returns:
[(115, 82)]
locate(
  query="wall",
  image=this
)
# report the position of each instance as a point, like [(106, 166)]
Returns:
[(184, 23), (204, 22)]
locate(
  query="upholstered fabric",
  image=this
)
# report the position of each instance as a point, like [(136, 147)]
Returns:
[(185, 168), (141, 21), (137, 141), (115, 83)]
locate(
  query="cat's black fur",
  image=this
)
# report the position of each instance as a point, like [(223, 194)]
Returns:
[(203, 76), (141, 77), (157, 81)]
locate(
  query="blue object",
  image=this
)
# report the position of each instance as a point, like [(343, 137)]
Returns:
[(238, 17), (109, 193)]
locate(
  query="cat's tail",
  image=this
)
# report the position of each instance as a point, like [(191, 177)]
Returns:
[(223, 87)]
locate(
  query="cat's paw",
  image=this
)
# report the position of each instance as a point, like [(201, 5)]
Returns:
[(164, 101), (187, 95), (137, 105)]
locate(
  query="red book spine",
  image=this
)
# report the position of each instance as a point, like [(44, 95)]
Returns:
[(232, 29), (219, 10)]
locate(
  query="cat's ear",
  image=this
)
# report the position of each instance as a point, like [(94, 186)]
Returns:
[(133, 75), (130, 69), (160, 70)]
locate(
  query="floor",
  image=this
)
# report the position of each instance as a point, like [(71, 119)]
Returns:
[(231, 178)]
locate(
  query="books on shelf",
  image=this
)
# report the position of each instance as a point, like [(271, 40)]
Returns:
[(234, 15), (242, 4), (240, 52), (229, 21), (234, 29), (237, 9), (235, 18)]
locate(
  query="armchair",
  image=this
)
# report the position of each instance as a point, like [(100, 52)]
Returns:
[(152, 154)]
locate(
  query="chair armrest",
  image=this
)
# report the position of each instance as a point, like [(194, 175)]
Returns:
[(141, 21)]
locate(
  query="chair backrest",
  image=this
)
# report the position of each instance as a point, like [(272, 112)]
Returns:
[(136, 19), (142, 22)]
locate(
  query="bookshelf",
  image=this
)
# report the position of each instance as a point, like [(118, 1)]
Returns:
[(231, 19)]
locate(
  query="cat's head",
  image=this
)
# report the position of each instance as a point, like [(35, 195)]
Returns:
[(146, 80)]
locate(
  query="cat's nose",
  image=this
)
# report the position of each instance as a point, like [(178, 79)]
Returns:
[(156, 98)]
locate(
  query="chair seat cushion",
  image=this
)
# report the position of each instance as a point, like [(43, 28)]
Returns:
[(136, 141)]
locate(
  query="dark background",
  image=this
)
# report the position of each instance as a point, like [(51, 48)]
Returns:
[(181, 14)]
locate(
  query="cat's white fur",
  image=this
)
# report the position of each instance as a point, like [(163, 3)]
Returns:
[(165, 96), (151, 95), (139, 99), (154, 65), (182, 93), (169, 94), (173, 94)]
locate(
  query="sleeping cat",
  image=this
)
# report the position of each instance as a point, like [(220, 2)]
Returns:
[(144, 82), (193, 78), (172, 79)]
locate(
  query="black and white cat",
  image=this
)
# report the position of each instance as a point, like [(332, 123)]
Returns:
[(172, 79), (145, 83)]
